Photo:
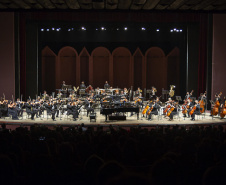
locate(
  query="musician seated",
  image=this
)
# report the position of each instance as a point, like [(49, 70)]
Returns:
[(82, 85), (12, 110), (172, 110), (19, 107), (106, 85), (153, 110), (88, 106), (50, 109), (4, 108), (29, 109), (72, 109), (196, 108), (63, 85), (59, 95), (45, 96), (138, 92)]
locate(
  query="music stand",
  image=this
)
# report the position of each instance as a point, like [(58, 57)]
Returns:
[(178, 98), (165, 93)]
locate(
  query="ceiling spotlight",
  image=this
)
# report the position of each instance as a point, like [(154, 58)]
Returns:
[(72, 28), (102, 28), (42, 29), (117, 29), (181, 30), (171, 30), (58, 29), (53, 29), (69, 30), (83, 28), (96, 28), (175, 29), (157, 30), (47, 29), (125, 28), (143, 28)]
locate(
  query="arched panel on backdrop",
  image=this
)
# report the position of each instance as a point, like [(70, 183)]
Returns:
[(138, 59), (100, 57), (156, 69), (122, 67), (84, 66), (173, 69), (66, 66), (48, 70)]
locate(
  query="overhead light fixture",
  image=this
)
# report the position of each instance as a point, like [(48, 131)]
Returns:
[(157, 30), (181, 30), (117, 29), (143, 28), (69, 30), (125, 28), (102, 28), (47, 29), (42, 29), (53, 29), (83, 28)]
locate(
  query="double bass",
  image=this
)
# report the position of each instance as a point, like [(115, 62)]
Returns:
[(202, 104), (223, 110), (216, 106)]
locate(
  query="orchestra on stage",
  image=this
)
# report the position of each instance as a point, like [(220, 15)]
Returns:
[(111, 101)]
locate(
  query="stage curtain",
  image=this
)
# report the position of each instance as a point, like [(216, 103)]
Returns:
[(202, 53)]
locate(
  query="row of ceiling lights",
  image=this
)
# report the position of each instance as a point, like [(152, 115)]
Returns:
[(104, 29)]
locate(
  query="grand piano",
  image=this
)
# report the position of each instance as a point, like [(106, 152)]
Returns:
[(109, 111)]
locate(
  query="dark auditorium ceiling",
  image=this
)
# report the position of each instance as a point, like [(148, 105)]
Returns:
[(156, 5)]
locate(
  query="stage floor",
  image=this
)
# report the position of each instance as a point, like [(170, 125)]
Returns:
[(64, 120)]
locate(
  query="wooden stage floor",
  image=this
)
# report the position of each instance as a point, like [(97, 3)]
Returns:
[(204, 119)]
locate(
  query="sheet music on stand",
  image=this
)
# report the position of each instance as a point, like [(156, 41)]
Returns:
[(165, 94), (178, 98)]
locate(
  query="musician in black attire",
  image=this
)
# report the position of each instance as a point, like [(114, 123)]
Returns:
[(12, 110), (155, 107), (174, 112), (106, 85), (19, 107), (51, 110), (88, 106), (29, 109), (196, 111), (72, 109), (3, 108)]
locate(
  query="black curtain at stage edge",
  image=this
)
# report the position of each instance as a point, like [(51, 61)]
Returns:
[(30, 53)]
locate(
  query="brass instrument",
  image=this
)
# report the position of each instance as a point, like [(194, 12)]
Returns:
[(171, 92)]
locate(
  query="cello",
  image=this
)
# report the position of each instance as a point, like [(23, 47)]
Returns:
[(145, 109)]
